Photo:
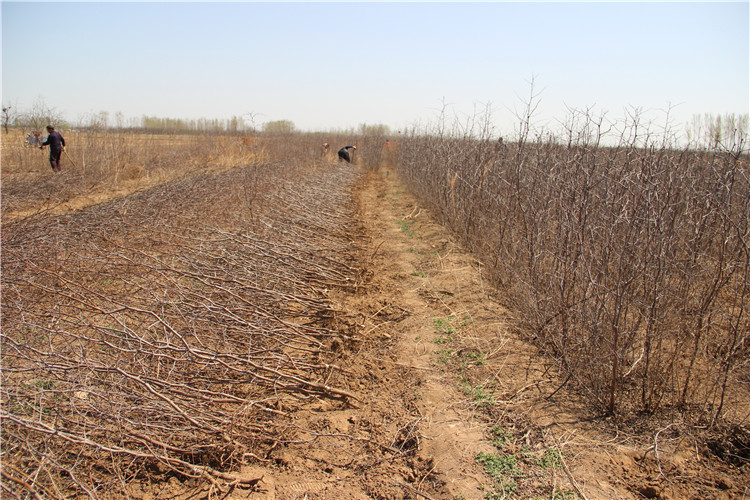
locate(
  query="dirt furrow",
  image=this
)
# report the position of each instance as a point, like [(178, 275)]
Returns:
[(418, 270)]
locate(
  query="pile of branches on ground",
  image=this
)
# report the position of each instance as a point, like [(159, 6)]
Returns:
[(170, 330)]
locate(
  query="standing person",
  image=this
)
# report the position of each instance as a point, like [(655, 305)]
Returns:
[(345, 153), (56, 145)]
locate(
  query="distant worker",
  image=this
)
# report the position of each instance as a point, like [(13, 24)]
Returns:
[(387, 143), (56, 145), (326, 148), (34, 138), (345, 153), (500, 146)]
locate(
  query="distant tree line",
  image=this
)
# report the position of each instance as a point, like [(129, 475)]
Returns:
[(41, 115), (279, 127), (726, 131), (702, 131), (202, 125)]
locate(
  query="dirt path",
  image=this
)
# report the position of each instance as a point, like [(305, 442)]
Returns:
[(479, 389), (418, 269)]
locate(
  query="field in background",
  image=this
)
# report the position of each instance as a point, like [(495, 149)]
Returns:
[(104, 163)]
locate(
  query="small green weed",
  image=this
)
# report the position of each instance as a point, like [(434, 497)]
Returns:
[(479, 395), (500, 436), (552, 459), (406, 229), (476, 358), (419, 274), (444, 325), (502, 491), (467, 320), (444, 355), (497, 465), (502, 468), (442, 339), (563, 494)]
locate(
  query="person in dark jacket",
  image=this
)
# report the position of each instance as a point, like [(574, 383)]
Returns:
[(345, 153), (56, 145)]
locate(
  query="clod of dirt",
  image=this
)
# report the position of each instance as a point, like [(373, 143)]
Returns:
[(733, 448), (724, 484), (649, 491)]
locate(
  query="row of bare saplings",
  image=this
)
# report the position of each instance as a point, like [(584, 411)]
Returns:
[(628, 263), (170, 332)]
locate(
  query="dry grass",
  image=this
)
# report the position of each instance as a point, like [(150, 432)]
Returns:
[(102, 163)]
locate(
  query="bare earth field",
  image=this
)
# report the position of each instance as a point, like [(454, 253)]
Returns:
[(448, 400)]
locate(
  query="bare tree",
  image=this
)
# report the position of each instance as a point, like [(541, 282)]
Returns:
[(7, 116)]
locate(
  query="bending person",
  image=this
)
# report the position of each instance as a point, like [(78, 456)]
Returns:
[(345, 153)]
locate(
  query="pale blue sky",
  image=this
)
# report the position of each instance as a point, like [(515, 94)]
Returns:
[(336, 65)]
